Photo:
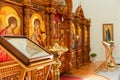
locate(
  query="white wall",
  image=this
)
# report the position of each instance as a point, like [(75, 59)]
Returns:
[(100, 12)]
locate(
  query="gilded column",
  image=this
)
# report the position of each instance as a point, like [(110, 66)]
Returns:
[(27, 13), (82, 53), (79, 47), (88, 25), (47, 30), (50, 26), (51, 29), (70, 53), (85, 44)]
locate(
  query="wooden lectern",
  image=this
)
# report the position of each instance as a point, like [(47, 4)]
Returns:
[(109, 62), (30, 61)]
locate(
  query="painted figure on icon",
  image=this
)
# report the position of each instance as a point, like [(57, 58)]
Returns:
[(108, 36), (37, 30), (79, 38), (62, 37), (10, 29), (37, 35), (10, 25), (73, 37)]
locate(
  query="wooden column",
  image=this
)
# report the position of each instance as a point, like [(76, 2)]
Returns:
[(47, 30), (70, 53), (50, 27), (88, 25), (87, 42), (80, 52), (26, 21)]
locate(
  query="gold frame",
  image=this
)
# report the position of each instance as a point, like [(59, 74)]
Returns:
[(107, 32)]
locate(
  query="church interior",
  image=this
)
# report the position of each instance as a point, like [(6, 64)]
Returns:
[(59, 39)]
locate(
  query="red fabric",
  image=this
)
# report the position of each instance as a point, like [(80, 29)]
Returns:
[(69, 78), (3, 55), (4, 32)]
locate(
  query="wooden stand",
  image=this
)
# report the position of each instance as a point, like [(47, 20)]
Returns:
[(109, 62)]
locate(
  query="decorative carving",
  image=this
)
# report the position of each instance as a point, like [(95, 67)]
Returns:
[(27, 2), (26, 21), (79, 12), (15, 77), (9, 72), (60, 2), (63, 66), (38, 7), (50, 9), (62, 10), (18, 1)]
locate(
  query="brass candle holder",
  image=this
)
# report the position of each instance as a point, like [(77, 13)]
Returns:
[(57, 51)]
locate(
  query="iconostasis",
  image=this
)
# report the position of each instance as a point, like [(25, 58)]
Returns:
[(33, 19), (46, 22)]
